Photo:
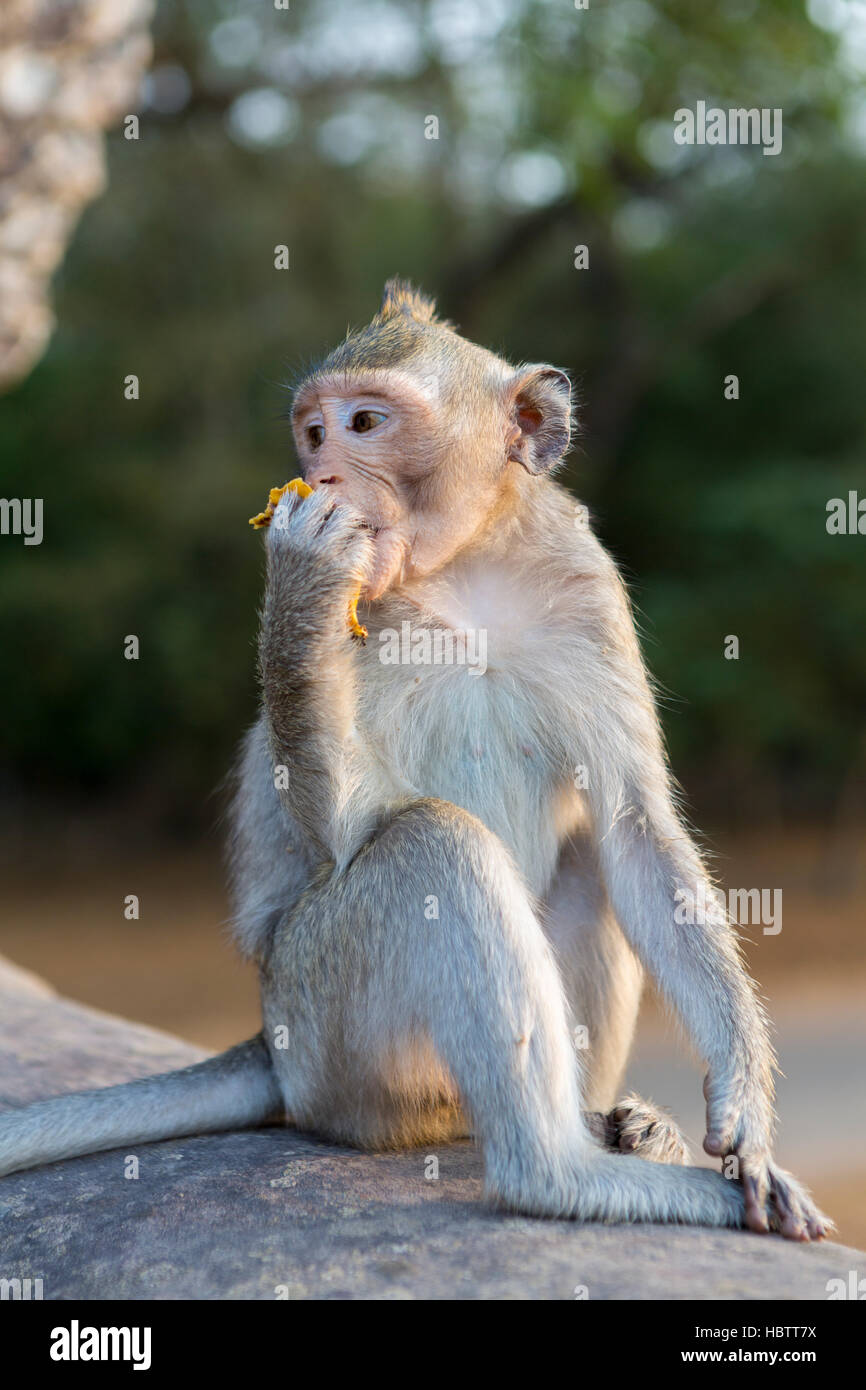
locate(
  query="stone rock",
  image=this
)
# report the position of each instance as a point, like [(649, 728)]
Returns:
[(275, 1214)]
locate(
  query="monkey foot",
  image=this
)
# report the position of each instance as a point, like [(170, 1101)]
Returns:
[(639, 1127)]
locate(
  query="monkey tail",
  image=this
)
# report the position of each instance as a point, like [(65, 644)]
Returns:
[(235, 1090)]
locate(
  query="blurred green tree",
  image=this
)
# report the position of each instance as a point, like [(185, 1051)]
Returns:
[(310, 128)]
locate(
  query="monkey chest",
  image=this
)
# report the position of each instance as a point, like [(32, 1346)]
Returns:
[(444, 720)]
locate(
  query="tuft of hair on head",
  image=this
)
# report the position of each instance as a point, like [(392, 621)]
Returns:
[(401, 297)]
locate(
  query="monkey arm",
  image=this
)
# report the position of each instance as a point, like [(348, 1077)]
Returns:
[(270, 859), (317, 558), (653, 872), (667, 906), (661, 892)]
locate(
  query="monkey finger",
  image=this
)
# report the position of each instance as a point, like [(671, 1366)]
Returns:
[(287, 505), (718, 1142), (756, 1210), (324, 520), (335, 516)]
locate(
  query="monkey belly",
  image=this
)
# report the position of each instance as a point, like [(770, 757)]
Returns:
[(500, 778)]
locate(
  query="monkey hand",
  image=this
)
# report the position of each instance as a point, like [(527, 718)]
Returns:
[(740, 1134), (325, 549), (296, 485)]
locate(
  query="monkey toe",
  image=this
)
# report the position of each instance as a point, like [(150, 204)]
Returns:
[(645, 1131), (794, 1214), (775, 1201)]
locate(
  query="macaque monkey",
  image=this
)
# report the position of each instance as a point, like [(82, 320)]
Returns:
[(444, 874)]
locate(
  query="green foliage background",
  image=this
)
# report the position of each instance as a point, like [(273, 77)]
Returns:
[(555, 130)]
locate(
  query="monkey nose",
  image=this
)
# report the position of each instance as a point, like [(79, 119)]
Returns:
[(330, 481)]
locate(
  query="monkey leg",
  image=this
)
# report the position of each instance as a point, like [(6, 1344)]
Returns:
[(427, 939), (405, 981), (603, 981)]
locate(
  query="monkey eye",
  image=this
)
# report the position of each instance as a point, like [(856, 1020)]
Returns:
[(366, 420), (315, 436)]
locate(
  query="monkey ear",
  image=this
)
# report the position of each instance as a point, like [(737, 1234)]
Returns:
[(400, 297), (540, 399)]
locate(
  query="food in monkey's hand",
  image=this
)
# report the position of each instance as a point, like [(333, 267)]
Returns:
[(357, 629), (264, 518)]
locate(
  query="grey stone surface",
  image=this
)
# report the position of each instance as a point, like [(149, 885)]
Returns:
[(273, 1213), (82, 1047)]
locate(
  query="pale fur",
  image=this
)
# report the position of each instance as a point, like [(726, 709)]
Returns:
[(384, 1026)]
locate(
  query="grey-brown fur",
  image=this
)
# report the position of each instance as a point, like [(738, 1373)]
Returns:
[(384, 1025)]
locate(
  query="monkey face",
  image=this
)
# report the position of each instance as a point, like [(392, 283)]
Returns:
[(359, 435), (416, 468), (419, 431)]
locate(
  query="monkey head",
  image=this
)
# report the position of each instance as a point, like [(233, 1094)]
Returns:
[(424, 434)]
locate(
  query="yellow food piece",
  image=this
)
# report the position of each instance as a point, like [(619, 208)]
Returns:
[(264, 518), (357, 629)]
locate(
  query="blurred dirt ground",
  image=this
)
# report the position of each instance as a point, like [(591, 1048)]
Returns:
[(175, 968)]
